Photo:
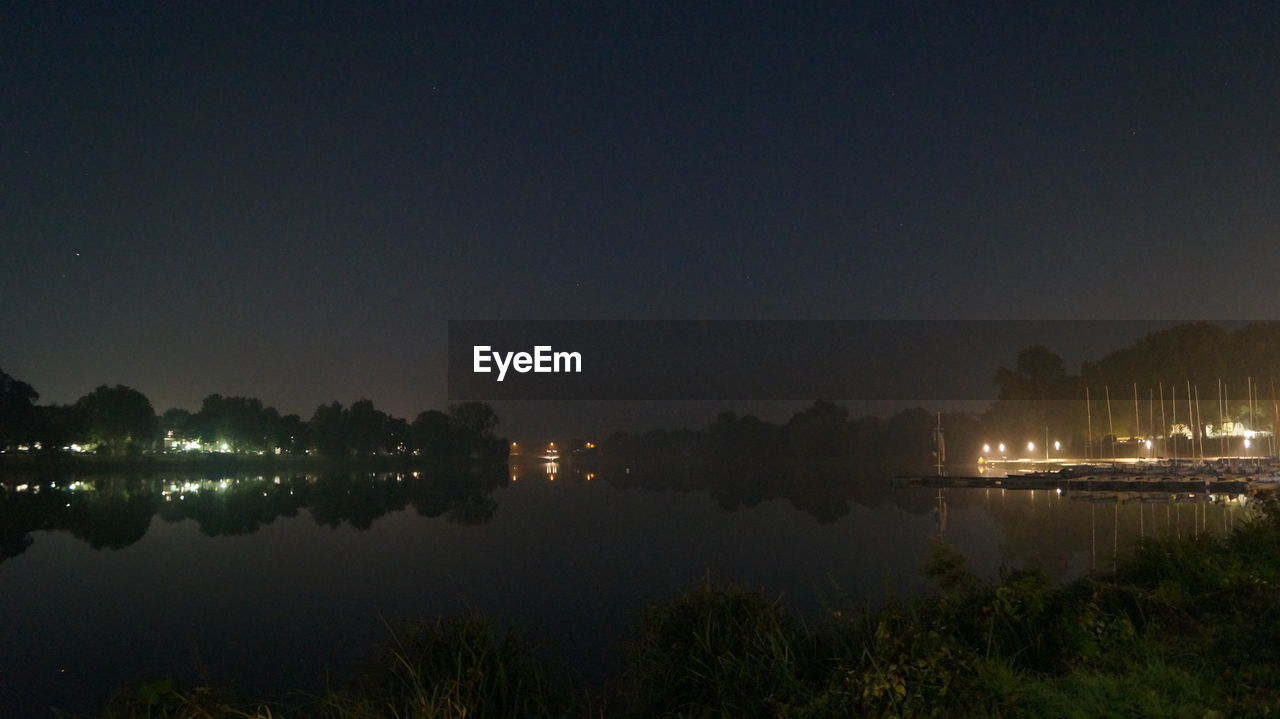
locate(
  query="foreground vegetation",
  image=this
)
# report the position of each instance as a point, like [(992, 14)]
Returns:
[(1187, 627)]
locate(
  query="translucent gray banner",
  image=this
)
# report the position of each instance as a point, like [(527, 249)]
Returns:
[(777, 360)]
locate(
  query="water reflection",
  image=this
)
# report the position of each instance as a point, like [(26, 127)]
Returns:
[(1059, 531), (1047, 529), (825, 491), (114, 512)]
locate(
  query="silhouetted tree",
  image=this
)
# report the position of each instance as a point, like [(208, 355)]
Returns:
[(18, 417), (291, 434), (175, 420), (62, 425), (329, 431), (476, 418), (118, 417), (366, 428), (241, 422), (396, 437), (1037, 393), (820, 432), (432, 435)]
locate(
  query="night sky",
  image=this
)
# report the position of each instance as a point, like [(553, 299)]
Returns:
[(289, 201)]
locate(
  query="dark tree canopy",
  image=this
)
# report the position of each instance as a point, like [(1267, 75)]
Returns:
[(18, 416), (118, 417), (477, 418)]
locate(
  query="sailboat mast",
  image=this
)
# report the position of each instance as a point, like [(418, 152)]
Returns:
[(1088, 419), (1275, 414), (1200, 424), (1111, 427), (1151, 416), (1164, 426), (1222, 437), (1137, 421), (1191, 422)]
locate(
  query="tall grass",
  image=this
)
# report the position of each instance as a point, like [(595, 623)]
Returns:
[(719, 650), (451, 669)]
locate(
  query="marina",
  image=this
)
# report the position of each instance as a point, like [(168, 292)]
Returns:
[(1213, 477)]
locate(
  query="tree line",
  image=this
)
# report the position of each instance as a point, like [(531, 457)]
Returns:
[(1194, 374), (121, 421), (1182, 366), (1036, 394)]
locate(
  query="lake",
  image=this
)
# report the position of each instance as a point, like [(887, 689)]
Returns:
[(280, 582)]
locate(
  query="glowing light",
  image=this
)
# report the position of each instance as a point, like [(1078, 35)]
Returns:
[(1031, 446), (1148, 443), (986, 448), (1057, 446), (1248, 443), (1001, 447)]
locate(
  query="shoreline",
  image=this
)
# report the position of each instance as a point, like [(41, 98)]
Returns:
[(27, 465)]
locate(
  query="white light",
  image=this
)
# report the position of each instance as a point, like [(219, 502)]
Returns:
[(986, 448), (1031, 446), (1001, 447), (1148, 443), (1248, 444), (1057, 445)]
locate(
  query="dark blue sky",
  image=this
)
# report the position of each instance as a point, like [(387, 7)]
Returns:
[(290, 201)]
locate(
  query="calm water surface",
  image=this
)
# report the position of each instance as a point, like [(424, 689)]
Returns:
[(287, 582)]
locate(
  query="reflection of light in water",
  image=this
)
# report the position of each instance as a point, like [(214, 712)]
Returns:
[(553, 469)]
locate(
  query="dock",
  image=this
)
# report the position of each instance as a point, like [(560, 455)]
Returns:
[(1214, 484)]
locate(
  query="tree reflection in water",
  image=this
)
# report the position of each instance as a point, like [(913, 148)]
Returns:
[(114, 512)]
